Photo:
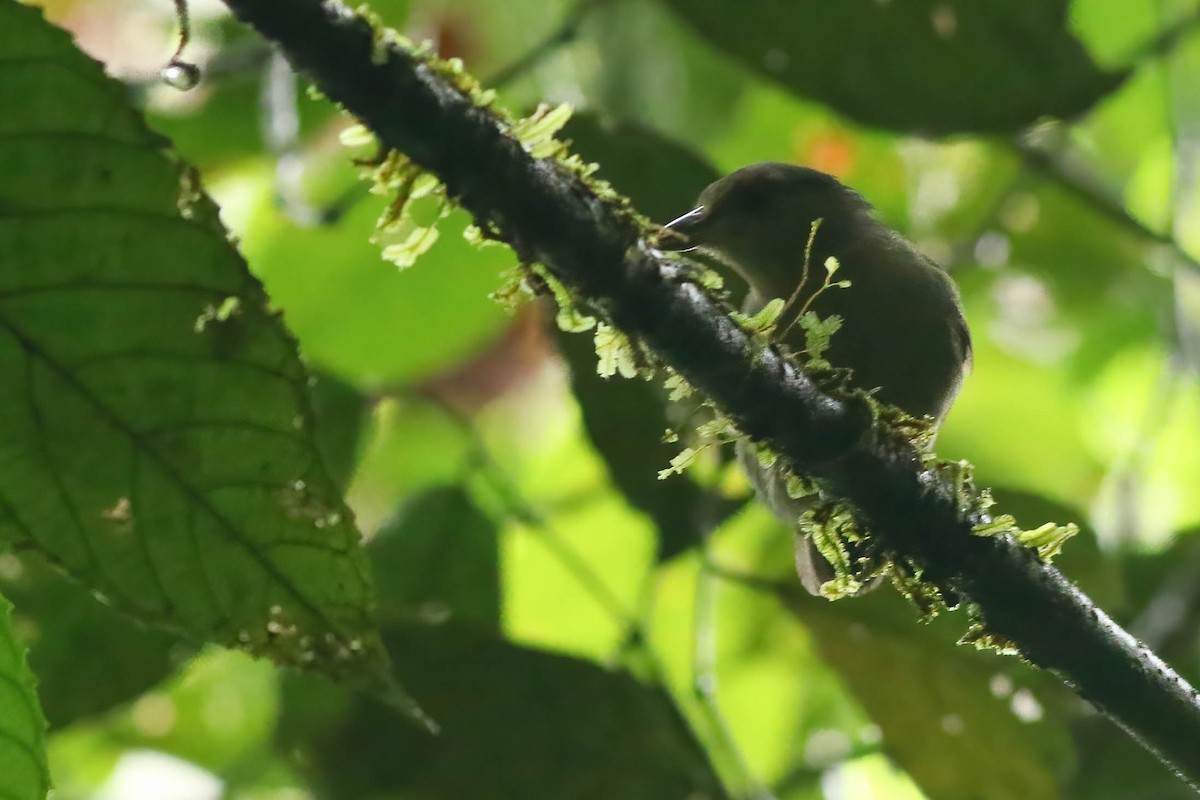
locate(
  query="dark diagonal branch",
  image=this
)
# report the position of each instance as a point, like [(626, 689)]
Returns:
[(549, 215)]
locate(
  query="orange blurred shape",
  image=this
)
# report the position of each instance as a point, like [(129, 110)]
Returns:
[(830, 151), (133, 39), (500, 367), (455, 36)]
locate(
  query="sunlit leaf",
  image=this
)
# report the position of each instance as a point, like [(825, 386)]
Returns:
[(157, 440)]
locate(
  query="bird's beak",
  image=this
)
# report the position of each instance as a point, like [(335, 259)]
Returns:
[(677, 234)]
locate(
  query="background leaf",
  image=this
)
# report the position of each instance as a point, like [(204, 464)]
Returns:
[(439, 557), (927, 66), (497, 703), (649, 168), (962, 723), (61, 619), (22, 727)]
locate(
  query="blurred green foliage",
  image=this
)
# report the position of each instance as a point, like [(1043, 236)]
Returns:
[(536, 584)]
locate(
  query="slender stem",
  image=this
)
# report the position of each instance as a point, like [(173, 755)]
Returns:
[(183, 75), (783, 315), (704, 681), (185, 29)]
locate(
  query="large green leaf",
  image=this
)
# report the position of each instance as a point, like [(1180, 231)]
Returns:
[(925, 66), (156, 440), (517, 723), (23, 771)]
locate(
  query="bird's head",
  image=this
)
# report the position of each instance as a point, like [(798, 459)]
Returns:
[(760, 217)]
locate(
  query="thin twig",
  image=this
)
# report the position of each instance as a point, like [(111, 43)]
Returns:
[(564, 34), (185, 29), (1048, 166), (812, 236), (1162, 43), (522, 511)]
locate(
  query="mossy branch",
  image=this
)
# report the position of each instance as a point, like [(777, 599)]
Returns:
[(550, 214)]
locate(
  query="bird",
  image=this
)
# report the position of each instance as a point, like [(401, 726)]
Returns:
[(904, 336)]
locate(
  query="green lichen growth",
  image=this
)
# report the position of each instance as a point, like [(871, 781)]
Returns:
[(677, 386), (1046, 540), (406, 230), (478, 238), (858, 559), (983, 639), (717, 431), (570, 317), (679, 463), (229, 308), (357, 135), (537, 131), (515, 290), (818, 335), (614, 353), (761, 324)]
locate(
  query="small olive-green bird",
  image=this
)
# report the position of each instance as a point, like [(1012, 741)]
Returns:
[(903, 331)]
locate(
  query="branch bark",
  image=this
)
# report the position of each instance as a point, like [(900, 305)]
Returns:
[(549, 215)]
